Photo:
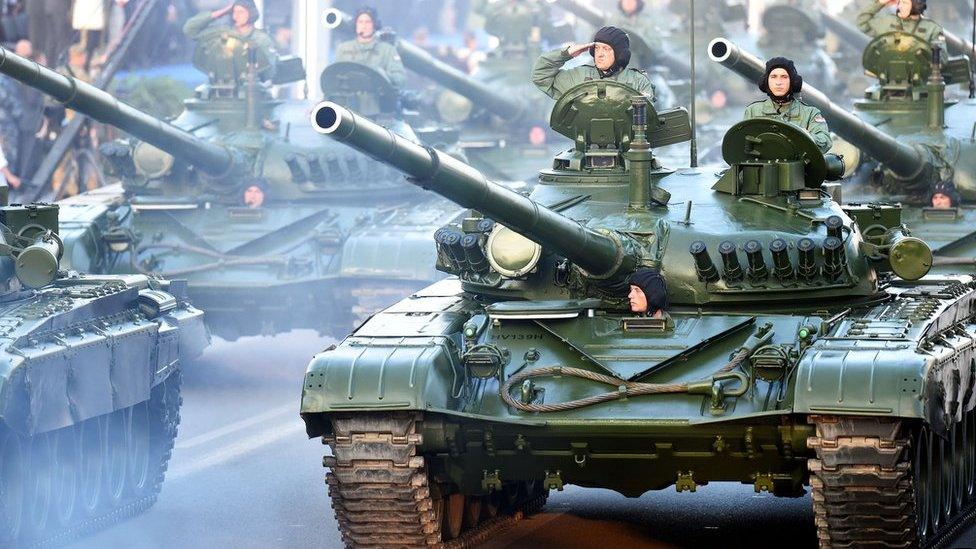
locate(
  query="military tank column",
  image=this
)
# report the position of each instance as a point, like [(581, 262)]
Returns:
[(549, 258)]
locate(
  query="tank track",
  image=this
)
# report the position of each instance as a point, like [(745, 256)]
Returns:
[(164, 418), (382, 493), (863, 483)]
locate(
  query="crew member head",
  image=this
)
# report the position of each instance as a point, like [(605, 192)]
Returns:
[(244, 13), (630, 8), (255, 193), (780, 81), (910, 9), (648, 292), (366, 24), (611, 50), (944, 196)]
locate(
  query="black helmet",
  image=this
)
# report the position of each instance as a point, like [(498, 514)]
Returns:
[(796, 81), (947, 188), (619, 41), (919, 7), (652, 284)]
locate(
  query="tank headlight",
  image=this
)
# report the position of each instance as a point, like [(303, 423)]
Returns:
[(453, 108), (850, 154), (511, 254), (151, 162)]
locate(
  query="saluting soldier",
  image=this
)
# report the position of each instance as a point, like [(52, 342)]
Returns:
[(782, 83), (203, 28), (610, 49), (367, 49), (908, 17)]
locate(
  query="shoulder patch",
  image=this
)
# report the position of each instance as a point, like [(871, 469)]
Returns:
[(819, 118)]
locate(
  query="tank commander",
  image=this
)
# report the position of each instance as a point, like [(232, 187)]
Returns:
[(908, 17), (648, 293), (944, 196), (782, 83), (367, 49), (243, 15), (610, 49)]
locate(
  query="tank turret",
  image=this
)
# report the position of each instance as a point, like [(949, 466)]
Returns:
[(911, 164), (614, 134)]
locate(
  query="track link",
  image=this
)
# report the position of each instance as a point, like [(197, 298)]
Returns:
[(381, 490), (862, 483)]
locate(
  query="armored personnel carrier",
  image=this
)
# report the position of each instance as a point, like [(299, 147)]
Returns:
[(90, 372), (804, 347), (336, 236), (912, 138)]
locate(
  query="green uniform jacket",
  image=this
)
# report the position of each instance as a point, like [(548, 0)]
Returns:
[(873, 23), (549, 76), (201, 28), (797, 113), (376, 54)]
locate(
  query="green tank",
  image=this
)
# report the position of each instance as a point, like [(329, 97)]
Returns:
[(337, 236), (903, 138), (804, 348), (90, 375)]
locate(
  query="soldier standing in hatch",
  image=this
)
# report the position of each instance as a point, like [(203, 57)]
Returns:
[(243, 14), (610, 49), (908, 17), (781, 83), (367, 49)]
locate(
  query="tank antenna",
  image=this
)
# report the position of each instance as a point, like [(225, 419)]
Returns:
[(694, 89)]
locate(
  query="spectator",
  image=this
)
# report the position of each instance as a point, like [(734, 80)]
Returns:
[(49, 27), (88, 19), (5, 172)]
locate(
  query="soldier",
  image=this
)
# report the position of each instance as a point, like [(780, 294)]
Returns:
[(243, 14), (781, 83), (907, 18), (648, 292), (944, 196), (255, 193), (367, 49), (610, 49)]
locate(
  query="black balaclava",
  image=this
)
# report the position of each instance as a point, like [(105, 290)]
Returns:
[(796, 81), (620, 42), (652, 284), (252, 9)]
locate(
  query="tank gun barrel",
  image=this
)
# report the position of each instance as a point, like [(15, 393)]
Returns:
[(102, 106), (902, 160), (419, 61), (602, 256), (857, 40)]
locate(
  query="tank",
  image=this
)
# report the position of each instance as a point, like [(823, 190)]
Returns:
[(911, 138), (90, 376), (326, 247), (804, 348)]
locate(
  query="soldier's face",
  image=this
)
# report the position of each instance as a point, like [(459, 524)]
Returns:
[(253, 197), (779, 82), (364, 26), (638, 301), (904, 9), (240, 15), (941, 201), (603, 56)]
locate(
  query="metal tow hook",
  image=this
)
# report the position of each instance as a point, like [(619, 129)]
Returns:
[(714, 387)]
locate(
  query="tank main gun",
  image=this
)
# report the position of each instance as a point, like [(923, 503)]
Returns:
[(215, 160), (857, 40), (603, 256), (905, 161), (678, 66), (419, 61)]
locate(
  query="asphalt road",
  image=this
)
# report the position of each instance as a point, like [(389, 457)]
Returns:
[(244, 475)]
